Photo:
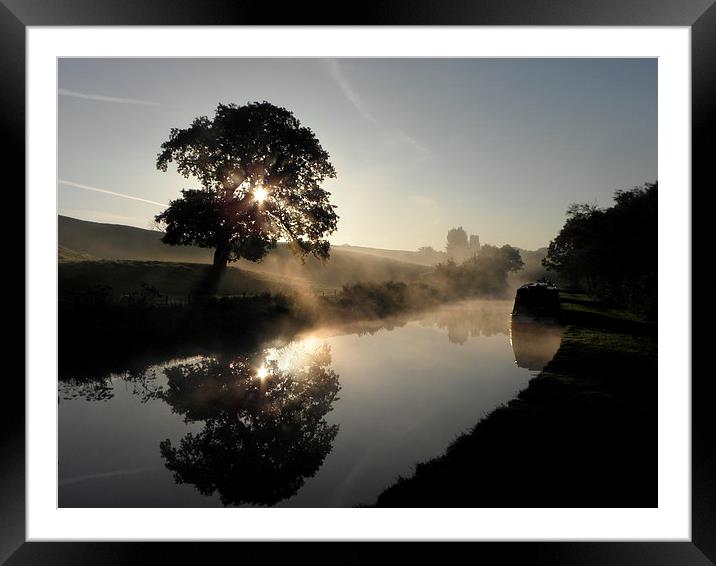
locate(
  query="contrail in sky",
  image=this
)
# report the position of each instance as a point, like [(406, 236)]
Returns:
[(102, 98), (107, 192), (340, 78), (78, 479), (349, 92)]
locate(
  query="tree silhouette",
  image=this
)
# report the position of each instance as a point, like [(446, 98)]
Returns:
[(260, 173), (457, 246), (427, 255), (262, 436), (482, 274), (612, 252)]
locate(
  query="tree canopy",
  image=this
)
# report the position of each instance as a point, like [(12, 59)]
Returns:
[(260, 173), (612, 252)]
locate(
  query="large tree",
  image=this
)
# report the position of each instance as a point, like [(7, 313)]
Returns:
[(260, 173)]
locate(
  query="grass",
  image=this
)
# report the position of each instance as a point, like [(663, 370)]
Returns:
[(609, 330), (176, 280), (574, 303)]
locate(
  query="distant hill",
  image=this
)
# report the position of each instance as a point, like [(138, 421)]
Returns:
[(398, 255), (81, 240), (114, 241), (67, 255)]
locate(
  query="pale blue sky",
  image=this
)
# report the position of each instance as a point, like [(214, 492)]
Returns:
[(498, 146)]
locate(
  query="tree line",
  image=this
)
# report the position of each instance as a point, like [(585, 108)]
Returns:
[(611, 253)]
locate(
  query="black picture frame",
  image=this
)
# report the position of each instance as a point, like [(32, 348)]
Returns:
[(699, 15)]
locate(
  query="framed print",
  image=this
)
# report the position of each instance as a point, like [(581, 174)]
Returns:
[(333, 283)]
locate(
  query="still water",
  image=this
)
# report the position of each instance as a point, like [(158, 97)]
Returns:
[(329, 418)]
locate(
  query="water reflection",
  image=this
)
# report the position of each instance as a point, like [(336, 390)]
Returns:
[(141, 382), (264, 429), (534, 344), (251, 426), (471, 320)]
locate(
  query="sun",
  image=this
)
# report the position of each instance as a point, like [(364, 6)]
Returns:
[(260, 194), (262, 373)]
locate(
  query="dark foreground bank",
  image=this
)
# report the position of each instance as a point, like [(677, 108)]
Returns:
[(583, 433)]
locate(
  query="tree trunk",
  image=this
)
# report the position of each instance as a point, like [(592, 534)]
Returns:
[(209, 284), (221, 256)]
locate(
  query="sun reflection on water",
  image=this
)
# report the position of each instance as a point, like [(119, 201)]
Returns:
[(295, 355)]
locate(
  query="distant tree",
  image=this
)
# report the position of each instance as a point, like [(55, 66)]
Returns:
[(260, 173), (483, 274), (457, 246), (490, 267), (430, 256), (533, 270), (504, 259), (612, 252)]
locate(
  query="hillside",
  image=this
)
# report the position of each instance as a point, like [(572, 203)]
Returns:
[(67, 255), (114, 241), (80, 240), (399, 255)]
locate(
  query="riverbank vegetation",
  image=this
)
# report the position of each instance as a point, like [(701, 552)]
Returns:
[(611, 253), (98, 322)]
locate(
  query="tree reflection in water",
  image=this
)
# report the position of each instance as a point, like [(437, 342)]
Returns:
[(141, 382), (264, 431), (471, 319)]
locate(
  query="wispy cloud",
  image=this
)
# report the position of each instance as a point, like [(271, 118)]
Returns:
[(102, 475), (349, 91), (421, 150), (102, 98), (334, 69), (108, 192)]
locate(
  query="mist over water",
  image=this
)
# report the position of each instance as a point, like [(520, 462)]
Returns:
[(330, 418)]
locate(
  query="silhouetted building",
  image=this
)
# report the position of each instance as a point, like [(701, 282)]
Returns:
[(474, 244)]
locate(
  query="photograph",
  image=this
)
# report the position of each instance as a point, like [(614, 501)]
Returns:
[(419, 282)]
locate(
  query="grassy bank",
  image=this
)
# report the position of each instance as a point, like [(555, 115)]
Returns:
[(582, 434)]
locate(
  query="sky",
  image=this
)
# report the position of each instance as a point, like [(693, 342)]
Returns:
[(500, 147)]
